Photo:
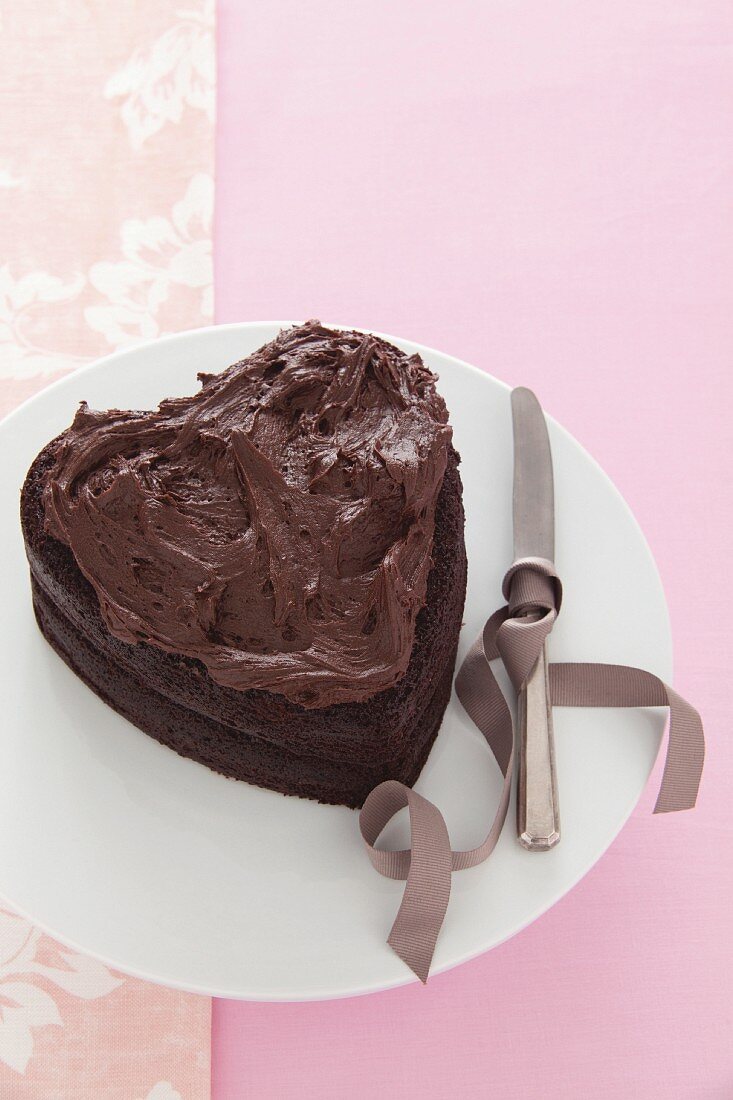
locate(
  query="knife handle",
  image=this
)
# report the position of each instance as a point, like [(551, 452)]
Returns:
[(538, 815)]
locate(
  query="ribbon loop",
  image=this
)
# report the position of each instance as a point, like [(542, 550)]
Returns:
[(532, 581), (534, 594)]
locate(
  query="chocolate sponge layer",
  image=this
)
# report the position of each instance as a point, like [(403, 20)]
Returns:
[(335, 754)]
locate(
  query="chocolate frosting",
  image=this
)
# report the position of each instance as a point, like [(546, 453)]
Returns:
[(277, 526)]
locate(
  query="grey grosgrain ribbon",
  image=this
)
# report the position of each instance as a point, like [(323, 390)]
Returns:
[(515, 634)]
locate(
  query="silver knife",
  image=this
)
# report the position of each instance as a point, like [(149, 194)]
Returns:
[(538, 816)]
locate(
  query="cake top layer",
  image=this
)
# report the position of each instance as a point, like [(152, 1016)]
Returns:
[(277, 526)]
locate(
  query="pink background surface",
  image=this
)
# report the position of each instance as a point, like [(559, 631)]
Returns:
[(545, 191)]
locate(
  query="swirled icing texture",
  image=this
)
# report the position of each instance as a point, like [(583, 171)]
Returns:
[(277, 526)]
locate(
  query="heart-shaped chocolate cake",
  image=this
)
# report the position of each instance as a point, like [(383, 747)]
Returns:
[(267, 576)]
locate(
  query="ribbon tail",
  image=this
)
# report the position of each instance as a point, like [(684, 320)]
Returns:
[(426, 866), (600, 685), (685, 757)]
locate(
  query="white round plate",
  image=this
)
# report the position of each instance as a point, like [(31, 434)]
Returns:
[(162, 869)]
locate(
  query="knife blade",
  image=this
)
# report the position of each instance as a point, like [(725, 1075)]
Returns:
[(534, 492), (538, 815)]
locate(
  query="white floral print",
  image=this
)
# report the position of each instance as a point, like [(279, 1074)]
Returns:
[(162, 257), (7, 179), (25, 1002), (177, 71), (163, 1091), (26, 315)]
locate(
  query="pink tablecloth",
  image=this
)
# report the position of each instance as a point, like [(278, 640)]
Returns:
[(106, 155), (543, 190)]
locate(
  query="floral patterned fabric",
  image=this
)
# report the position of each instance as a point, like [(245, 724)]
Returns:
[(106, 202), (106, 189)]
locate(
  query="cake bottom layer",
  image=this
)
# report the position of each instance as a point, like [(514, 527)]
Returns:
[(225, 749)]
